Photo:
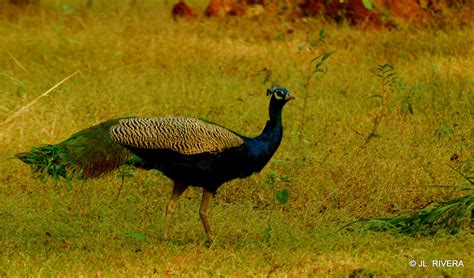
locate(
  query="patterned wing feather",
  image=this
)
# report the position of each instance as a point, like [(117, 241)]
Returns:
[(183, 135)]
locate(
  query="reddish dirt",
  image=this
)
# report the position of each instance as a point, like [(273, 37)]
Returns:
[(385, 13)]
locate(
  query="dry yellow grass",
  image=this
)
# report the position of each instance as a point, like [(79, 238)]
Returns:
[(138, 61)]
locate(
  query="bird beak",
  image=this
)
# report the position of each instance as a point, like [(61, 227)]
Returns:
[(289, 97)]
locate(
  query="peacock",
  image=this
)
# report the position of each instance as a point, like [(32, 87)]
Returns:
[(189, 151)]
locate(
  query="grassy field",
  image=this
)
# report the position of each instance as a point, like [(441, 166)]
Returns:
[(135, 60)]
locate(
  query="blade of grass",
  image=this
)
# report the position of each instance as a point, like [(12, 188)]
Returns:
[(15, 60), (25, 107)]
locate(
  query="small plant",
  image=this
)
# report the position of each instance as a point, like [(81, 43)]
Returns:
[(406, 104), (280, 197), (125, 171), (386, 73), (317, 65)]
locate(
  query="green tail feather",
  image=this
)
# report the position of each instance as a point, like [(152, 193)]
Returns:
[(88, 153), (49, 160)]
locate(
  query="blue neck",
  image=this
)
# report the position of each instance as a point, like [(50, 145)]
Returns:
[(265, 145), (273, 130)]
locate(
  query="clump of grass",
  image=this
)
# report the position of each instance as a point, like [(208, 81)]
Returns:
[(450, 217)]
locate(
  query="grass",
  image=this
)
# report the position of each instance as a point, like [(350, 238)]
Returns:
[(135, 60), (448, 217)]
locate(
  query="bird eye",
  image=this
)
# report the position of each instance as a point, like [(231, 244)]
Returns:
[(279, 94)]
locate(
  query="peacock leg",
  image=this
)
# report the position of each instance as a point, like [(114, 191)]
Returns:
[(178, 189), (206, 200)]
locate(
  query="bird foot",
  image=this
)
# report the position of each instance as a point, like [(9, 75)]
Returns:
[(208, 243)]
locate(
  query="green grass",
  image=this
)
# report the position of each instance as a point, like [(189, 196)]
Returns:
[(449, 217), (135, 60)]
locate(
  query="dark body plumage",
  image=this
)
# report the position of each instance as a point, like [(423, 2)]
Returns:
[(187, 150)]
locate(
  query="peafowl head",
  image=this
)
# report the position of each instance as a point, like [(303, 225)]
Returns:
[(280, 95)]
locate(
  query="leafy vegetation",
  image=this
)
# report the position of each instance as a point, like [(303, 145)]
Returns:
[(452, 217), (387, 74), (136, 60), (449, 217)]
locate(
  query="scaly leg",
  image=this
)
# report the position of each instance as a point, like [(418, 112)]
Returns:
[(206, 200), (178, 189)]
